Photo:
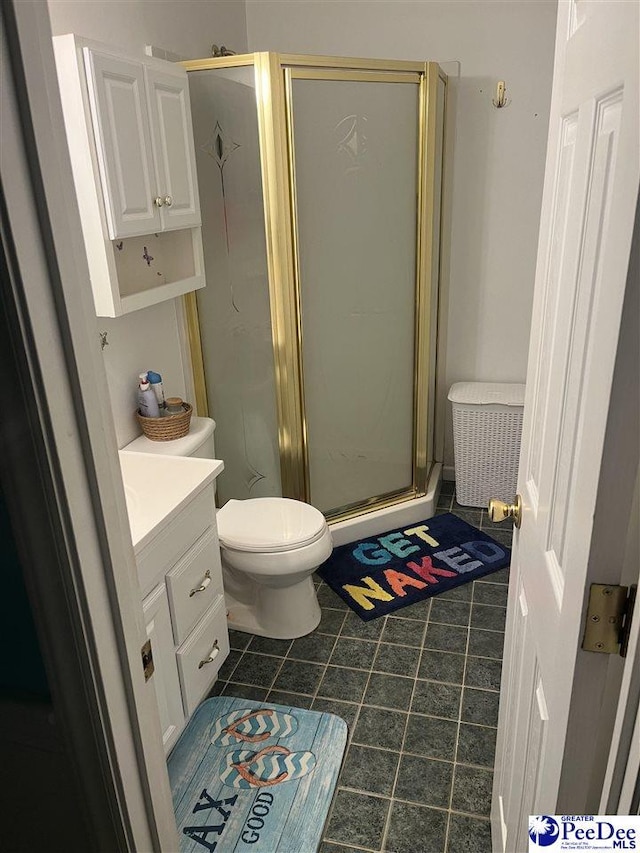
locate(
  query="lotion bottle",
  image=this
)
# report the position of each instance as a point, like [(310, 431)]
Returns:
[(147, 402)]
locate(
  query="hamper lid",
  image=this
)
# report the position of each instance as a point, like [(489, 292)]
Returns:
[(487, 393)]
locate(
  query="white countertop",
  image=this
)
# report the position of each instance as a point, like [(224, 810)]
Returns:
[(158, 487)]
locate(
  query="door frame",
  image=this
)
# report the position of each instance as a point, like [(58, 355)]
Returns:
[(57, 339)]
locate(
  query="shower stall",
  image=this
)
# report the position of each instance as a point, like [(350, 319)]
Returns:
[(314, 340)]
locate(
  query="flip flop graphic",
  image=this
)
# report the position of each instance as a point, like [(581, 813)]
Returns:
[(270, 766), (252, 726)]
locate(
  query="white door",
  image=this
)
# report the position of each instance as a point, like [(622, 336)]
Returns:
[(591, 186), (172, 139), (123, 143), (165, 680)]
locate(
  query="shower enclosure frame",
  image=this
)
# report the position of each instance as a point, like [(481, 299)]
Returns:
[(274, 74)]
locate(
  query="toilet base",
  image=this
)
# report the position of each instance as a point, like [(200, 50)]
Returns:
[(282, 614)]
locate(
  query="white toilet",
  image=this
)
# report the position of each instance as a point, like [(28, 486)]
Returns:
[(270, 548)]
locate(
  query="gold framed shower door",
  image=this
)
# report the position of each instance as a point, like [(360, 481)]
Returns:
[(273, 78)]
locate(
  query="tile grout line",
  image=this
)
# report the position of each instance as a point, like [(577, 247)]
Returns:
[(455, 750), (326, 665), (357, 705), (384, 643), (413, 803), (384, 672), (355, 722), (315, 696), (385, 833)]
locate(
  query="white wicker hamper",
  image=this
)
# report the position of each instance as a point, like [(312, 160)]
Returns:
[(487, 426)]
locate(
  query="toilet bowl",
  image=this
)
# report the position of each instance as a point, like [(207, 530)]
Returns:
[(270, 548)]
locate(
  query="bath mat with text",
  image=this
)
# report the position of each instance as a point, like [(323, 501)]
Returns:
[(378, 575), (254, 776)]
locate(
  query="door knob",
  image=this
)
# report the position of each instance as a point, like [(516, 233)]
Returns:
[(499, 510), (168, 200), (158, 201)]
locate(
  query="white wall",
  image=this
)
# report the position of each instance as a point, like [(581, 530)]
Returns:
[(149, 339), (498, 160)]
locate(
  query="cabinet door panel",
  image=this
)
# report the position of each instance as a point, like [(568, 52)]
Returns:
[(202, 654), (172, 139), (123, 143), (194, 584), (165, 676)]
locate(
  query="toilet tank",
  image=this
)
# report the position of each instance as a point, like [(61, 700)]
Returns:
[(198, 442)]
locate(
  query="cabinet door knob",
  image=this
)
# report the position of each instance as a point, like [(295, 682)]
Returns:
[(168, 200), (205, 583), (158, 201), (213, 654)]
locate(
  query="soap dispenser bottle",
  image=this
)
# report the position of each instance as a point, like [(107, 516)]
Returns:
[(155, 380), (147, 402)]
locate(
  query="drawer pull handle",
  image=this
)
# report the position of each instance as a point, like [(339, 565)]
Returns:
[(213, 654), (205, 583)]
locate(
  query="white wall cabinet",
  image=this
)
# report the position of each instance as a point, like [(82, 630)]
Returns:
[(120, 115), (174, 155), (130, 136)]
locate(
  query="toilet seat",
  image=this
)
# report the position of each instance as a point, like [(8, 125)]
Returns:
[(267, 525)]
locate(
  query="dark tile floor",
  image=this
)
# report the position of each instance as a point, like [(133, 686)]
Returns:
[(419, 692)]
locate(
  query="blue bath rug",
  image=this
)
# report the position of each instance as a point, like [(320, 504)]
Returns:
[(378, 575), (250, 776)]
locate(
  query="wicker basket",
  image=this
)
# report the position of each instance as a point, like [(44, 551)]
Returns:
[(487, 423), (168, 427)]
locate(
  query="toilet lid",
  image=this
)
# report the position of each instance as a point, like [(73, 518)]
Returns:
[(269, 524)]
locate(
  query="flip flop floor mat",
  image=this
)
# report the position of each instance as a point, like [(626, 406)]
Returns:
[(250, 776)]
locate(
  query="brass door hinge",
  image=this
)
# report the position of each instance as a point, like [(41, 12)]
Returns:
[(147, 660), (609, 616)]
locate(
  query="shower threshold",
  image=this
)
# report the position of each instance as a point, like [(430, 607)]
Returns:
[(380, 520)]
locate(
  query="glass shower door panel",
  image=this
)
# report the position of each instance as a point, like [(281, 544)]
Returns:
[(356, 165), (235, 319)]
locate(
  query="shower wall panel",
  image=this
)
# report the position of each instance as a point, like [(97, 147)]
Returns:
[(235, 323)]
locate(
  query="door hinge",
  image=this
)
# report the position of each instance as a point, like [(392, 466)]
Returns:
[(147, 660), (609, 615)]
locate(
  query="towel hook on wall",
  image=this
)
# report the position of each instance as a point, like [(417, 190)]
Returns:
[(501, 99), (221, 51)]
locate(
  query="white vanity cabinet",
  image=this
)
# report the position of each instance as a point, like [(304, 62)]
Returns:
[(186, 621), (130, 137), (164, 680), (170, 503)]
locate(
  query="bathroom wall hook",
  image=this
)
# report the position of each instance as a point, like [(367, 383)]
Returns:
[(103, 340), (221, 51), (501, 99)]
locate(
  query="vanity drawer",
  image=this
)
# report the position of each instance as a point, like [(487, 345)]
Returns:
[(162, 553), (202, 654), (194, 584)]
